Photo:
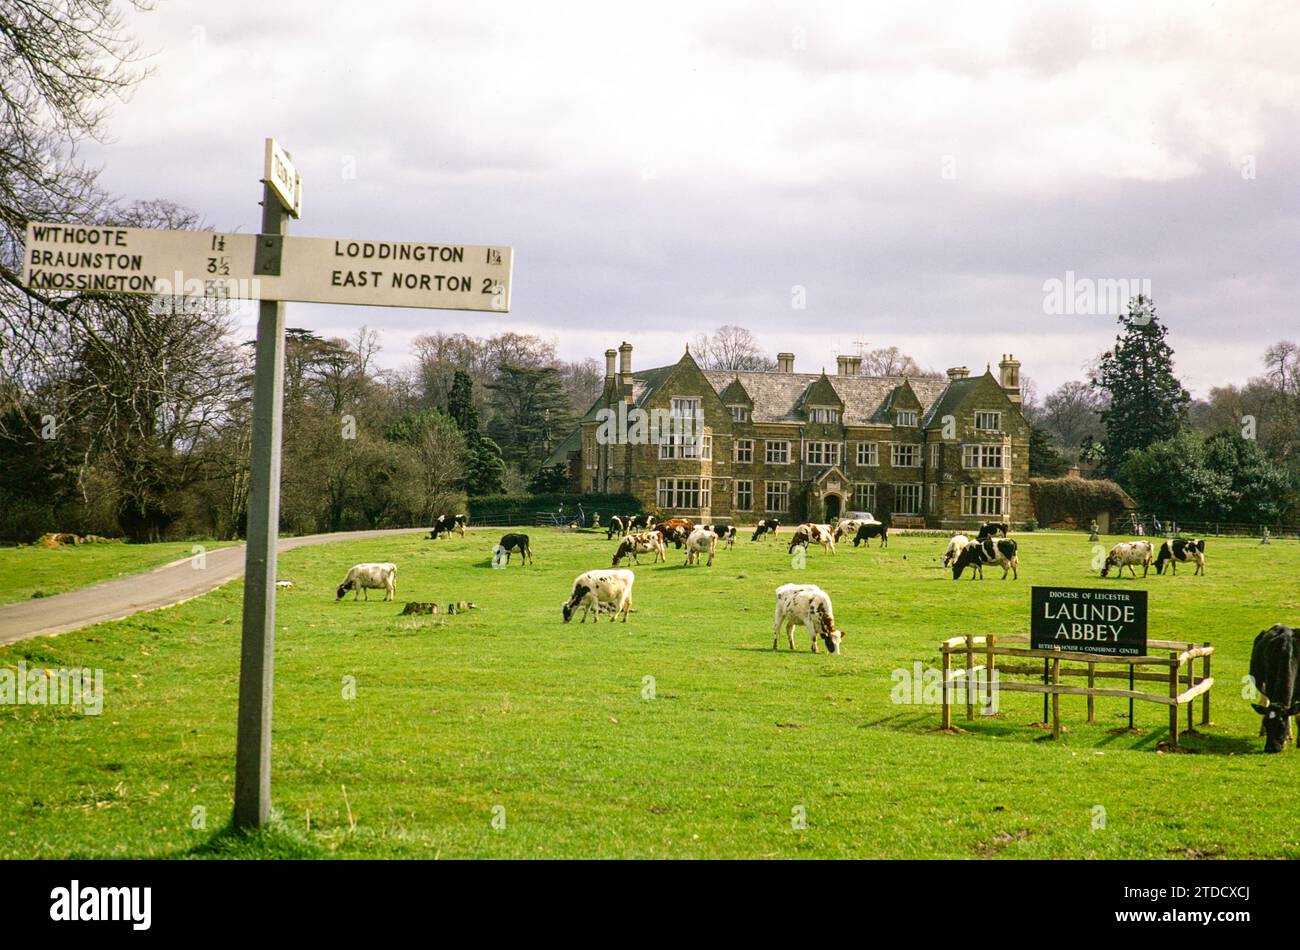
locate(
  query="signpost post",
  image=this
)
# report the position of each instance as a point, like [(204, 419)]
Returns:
[(273, 268)]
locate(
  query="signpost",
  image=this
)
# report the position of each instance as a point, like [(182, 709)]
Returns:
[(272, 268), (1101, 620)]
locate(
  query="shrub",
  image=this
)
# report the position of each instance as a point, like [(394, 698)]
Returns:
[(1073, 502), (522, 509)]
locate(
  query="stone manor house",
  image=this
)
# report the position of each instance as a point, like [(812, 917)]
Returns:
[(926, 452)]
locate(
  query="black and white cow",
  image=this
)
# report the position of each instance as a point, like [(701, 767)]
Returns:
[(514, 544), (989, 551), (1275, 670), (955, 544), (643, 542), (992, 530), (446, 524), (596, 589), (615, 527), (640, 522), (1181, 549), (872, 529), (766, 526), (725, 533), (1127, 554)]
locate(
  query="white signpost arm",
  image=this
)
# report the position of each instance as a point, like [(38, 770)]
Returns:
[(257, 655)]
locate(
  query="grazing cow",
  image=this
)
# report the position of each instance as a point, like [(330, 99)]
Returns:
[(847, 528), (809, 605), (675, 530), (809, 533), (989, 551), (872, 529), (1275, 670), (594, 589), (615, 527), (725, 532), (446, 524), (366, 577), (701, 541), (1181, 549), (514, 543), (1126, 554), (644, 522), (766, 526), (645, 542), (992, 530), (955, 544)]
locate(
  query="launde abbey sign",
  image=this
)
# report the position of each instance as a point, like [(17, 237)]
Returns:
[(1089, 620)]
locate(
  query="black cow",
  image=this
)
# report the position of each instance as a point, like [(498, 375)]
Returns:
[(642, 522), (989, 551), (1181, 549), (766, 526), (446, 524), (726, 533), (872, 530), (993, 529), (1275, 670), (516, 544)]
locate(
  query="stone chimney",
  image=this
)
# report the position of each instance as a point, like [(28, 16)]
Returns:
[(849, 365), (625, 363), (785, 362), (958, 372), (609, 365), (1009, 377)]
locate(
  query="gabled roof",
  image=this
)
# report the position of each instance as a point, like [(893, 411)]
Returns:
[(777, 396), (735, 394), (560, 454), (820, 393)]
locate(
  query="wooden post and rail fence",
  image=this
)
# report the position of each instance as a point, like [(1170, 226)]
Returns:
[(978, 672)]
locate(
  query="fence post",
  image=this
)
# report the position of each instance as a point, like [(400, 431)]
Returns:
[(1205, 699), (1092, 669), (1173, 708), (947, 671), (1056, 700), (1191, 704), (988, 672), (970, 675)]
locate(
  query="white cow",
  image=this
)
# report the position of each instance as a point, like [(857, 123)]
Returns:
[(1128, 553), (809, 533), (848, 528), (594, 589), (365, 577), (955, 544), (645, 542), (700, 541), (809, 605)]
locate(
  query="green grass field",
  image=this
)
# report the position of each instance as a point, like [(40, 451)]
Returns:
[(505, 712), (29, 570)]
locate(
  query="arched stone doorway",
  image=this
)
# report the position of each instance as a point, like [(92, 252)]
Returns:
[(834, 506)]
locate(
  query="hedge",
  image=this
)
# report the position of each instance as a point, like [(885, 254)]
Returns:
[(523, 509), (1074, 502)]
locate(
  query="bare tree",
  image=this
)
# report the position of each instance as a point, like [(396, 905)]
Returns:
[(730, 347), (891, 361)]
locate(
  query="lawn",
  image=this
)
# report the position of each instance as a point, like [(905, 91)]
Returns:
[(502, 732), (31, 570)]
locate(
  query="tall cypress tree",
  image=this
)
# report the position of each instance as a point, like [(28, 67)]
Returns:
[(485, 470), (1147, 402)]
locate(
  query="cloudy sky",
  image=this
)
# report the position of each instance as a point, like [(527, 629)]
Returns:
[(914, 172)]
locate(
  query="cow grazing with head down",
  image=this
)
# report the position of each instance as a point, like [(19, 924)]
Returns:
[(809, 605), (594, 589), (725, 532), (989, 551), (955, 544), (1127, 554), (513, 544), (992, 530), (765, 527), (809, 533), (367, 577), (614, 527), (701, 541), (675, 530), (1275, 670), (446, 524), (645, 542), (872, 529), (1181, 549), (847, 528)]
